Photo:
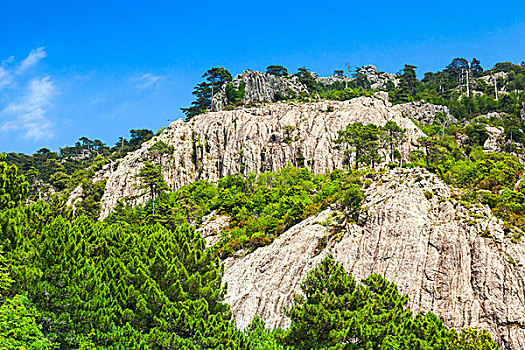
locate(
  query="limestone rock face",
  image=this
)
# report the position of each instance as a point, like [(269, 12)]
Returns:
[(332, 79), (378, 80), (423, 112), (261, 87), (212, 226), (489, 79), (450, 260), (493, 142), (216, 144), (75, 196)]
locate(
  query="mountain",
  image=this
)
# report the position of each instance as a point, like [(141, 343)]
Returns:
[(419, 181), (449, 259)]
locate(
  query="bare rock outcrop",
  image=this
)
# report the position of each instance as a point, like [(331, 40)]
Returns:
[(216, 144), (423, 112), (261, 87), (450, 260), (378, 80), (212, 226), (494, 140)]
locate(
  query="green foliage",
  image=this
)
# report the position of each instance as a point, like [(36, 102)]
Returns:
[(18, 327), (393, 136), (261, 338), (485, 177), (160, 287), (345, 94), (172, 209), (335, 312), (260, 208), (362, 141), (13, 188), (215, 79), (89, 204), (487, 171), (477, 134), (152, 180), (63, 171), (408, 84), (98, 285), (130, 283), (351, 199), (472, 339), (159, 149), (234, 97), (278, 71), (305, 77)]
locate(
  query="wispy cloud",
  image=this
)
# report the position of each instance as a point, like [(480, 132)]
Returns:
[(147, 80), (5, 74), (5, 77), (28, 114), (27, 97), (32, 59)]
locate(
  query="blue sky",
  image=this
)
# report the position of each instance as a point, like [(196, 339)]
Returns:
[(100, 68)]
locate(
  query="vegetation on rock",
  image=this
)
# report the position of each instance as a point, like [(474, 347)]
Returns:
[(334, 312)]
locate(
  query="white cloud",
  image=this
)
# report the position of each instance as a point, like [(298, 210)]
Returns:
[(5, 77), (147, 80), (9, 69), (28, 114), (32, 59)]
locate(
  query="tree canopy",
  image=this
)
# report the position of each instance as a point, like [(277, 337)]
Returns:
[(215, 78), (276, 70)]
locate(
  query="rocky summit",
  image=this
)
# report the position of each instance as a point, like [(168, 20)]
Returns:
[(258, 139)]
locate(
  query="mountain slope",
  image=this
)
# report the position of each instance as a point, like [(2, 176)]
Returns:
[(450, 260)]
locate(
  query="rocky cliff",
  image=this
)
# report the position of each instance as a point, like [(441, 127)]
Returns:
[(216, 144), (332, 79), (261, 87), (450, 260), (378, 80)]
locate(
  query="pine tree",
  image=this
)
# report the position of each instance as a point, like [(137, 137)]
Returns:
[(159, 149), (204, 92), (362, 140), (336, 313), (408, 83), (152, 180), (13, 188), (430, 146), (278, 71), (394, 135)]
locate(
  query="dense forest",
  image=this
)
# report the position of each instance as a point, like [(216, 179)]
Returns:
[(143, 278)]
